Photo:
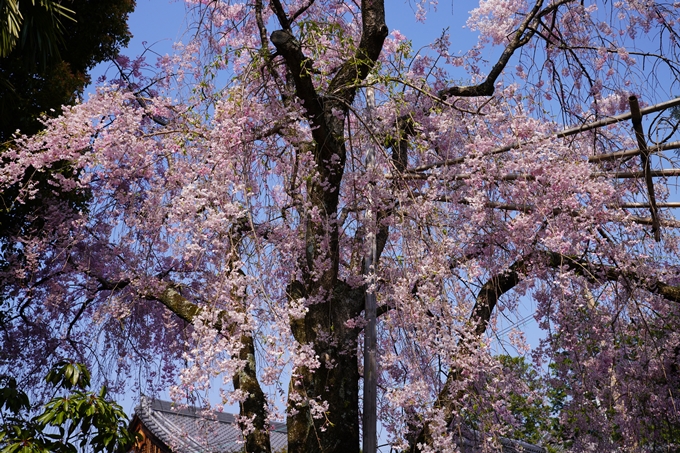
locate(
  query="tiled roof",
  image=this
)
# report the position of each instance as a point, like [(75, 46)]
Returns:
[(184, 430)]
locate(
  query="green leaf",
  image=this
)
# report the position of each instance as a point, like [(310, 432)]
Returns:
[(80, 417)]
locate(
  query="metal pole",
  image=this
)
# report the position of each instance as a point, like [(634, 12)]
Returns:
[(370, 438), (370, 375)]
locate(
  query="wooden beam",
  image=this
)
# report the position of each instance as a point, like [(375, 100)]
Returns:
[(632, 152)]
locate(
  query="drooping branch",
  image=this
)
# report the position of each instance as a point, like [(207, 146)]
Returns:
[(254, 407), (486, 301), (245, 379)]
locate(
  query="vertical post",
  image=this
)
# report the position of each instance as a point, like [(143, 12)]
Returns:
[(636, 118), (370, 438), (370, 377)]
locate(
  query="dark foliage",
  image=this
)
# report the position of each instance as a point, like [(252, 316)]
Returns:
[(38, 78)]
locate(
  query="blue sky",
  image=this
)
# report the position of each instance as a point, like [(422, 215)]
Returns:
[(157, 24)]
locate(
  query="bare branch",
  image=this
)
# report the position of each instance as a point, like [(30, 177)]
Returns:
[(301, 11), (281, 15)]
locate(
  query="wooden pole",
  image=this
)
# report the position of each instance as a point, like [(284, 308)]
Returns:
[(636, 117)]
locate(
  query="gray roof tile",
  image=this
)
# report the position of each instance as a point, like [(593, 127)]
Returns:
[(185, 430)]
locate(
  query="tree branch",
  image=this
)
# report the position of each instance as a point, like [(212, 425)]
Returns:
[(566, 133), (301, 11), (520, 37), (281, 15), (354, 70), (500, 284), (257, 441), (300, 68)]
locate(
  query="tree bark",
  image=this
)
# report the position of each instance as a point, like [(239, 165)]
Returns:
[(336, 381)]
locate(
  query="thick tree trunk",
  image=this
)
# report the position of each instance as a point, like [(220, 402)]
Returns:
[(335, 382), (337, 429)]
